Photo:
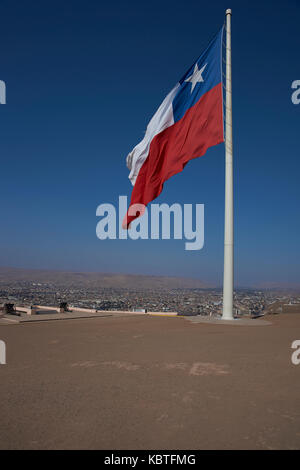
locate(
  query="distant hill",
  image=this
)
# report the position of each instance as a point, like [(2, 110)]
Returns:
[(105, 280)]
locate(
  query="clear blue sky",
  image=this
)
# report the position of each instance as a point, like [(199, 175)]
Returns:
[(83, 80)]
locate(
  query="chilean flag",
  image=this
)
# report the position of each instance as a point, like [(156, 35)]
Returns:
[(187, 123)]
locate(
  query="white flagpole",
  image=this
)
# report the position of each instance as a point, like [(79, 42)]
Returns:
[(228, 230)]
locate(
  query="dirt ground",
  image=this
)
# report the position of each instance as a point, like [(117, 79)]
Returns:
[(142, 382)]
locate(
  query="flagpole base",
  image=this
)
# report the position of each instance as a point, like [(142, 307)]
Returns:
[(227, 316)]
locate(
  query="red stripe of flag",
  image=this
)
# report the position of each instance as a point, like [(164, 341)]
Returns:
[(200, 128)]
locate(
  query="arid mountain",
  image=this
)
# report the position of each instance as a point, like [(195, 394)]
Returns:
[(105, 280)]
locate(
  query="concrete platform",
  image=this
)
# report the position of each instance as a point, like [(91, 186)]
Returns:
[(55, 316), (7, 321), (78, 314)]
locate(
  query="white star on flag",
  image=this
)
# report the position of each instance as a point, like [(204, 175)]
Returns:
[(196, 76)]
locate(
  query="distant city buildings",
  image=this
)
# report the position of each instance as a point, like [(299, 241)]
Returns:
[(184, 301)]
